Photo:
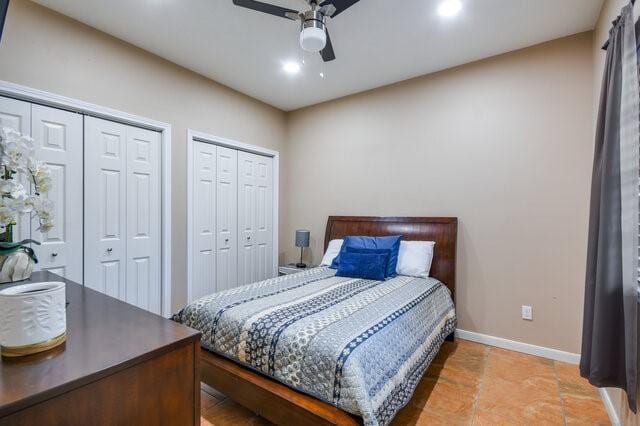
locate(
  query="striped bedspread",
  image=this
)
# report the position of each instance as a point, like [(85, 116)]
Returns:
[(360, 345)]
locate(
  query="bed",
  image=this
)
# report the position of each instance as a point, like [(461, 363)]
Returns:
[(314, 348)]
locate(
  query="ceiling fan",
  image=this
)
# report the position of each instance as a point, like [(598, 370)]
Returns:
[(314, 36)]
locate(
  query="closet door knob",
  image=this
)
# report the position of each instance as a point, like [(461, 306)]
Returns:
[(226, 240), (109, 250), (54, 254), (248, 237)]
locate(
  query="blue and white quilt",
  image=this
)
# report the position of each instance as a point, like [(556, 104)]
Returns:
[(360, 345)]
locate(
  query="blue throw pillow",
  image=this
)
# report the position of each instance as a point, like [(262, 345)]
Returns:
[(369, 266), (389, 243), (368, 251)]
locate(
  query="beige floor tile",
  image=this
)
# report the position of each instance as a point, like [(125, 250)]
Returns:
[(535, 400), (488, 418), (585, 409), (517, 367), (228, 413), (572, 383), (445, 397), (413, 416), (582, 422), (472, 355)]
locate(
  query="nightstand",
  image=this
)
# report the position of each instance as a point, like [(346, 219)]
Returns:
[(292, 269)]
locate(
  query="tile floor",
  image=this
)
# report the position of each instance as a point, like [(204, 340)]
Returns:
[(471, 384)]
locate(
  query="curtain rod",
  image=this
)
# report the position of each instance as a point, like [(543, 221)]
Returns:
[(606, 44)]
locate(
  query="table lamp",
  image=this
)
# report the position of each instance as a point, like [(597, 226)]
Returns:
[(302, 241)]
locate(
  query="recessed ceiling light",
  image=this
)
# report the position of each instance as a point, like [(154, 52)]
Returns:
[(449, 8), (291, 67)]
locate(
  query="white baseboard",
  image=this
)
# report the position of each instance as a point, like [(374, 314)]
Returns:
[(608, 405), (513, 345)]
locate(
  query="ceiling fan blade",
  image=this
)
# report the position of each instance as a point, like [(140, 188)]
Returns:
[(271, 9), (293, 16), (340, 5), (327, 53)]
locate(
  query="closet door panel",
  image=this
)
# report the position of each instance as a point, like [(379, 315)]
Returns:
[(226, 218), (246, 218), (203, 280), (263, 170), (255, 212), (105, 207), (17, 116), (143, 279), (58, 141)]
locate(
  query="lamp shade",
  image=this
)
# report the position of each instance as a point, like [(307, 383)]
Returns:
[(302, 238)]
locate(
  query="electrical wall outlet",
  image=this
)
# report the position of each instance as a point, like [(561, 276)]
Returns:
[(527, 313)]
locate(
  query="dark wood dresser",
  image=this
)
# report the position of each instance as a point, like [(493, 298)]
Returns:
[(120, 365)]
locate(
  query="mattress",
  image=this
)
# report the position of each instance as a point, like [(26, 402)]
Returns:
[(360, 345)]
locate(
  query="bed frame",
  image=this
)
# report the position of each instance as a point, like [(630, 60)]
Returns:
[(283, 405)]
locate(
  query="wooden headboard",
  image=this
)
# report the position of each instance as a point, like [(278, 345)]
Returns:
[(442, 230)]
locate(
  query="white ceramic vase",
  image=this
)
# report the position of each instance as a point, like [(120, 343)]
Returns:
[(15, 267), (32, 318)]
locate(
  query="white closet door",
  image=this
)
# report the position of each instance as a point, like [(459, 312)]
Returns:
[(58, 139), (143, 220), (105, 237), (203, 280), (227, 218), (255, 217), (264, 217), (17, 116)]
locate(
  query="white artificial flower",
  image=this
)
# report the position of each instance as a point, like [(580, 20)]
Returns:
[(8, 186), (43, 208), (6, 216), (41, 176), (19, 193), (18, 164), (15, 150)]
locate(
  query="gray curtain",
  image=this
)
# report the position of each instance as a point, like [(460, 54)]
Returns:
[(610, 330)]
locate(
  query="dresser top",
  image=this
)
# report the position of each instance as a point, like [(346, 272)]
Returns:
[(104, 336)]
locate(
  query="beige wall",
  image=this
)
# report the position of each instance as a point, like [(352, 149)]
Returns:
[(504, 144), (610, 9), (45, 50)]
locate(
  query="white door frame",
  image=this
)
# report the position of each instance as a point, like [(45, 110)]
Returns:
[(24, 93), (196, 136)]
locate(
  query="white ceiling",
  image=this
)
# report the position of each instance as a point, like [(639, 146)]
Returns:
[(377, 42)]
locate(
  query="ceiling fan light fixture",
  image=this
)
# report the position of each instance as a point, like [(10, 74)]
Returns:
[(313, 39), (314, 36)]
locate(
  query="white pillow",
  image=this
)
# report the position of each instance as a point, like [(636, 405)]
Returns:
[(331, 253), (414, 258)]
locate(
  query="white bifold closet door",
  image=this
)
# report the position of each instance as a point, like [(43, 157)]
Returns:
[(122, 233), (255, 218), (58, 142), (214, 218), (204, 220), (226, 218)]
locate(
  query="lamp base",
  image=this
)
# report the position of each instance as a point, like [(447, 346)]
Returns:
[(301, 265)]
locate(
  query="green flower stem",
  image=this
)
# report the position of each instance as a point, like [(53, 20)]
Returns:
[(8, 234)]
